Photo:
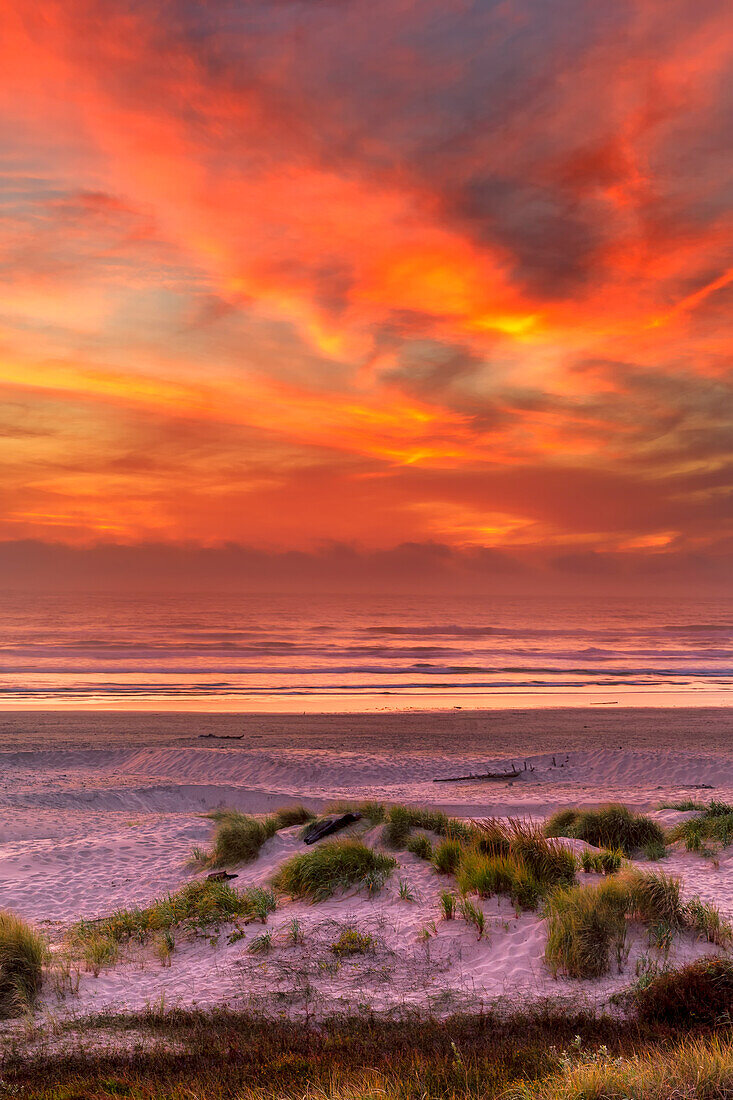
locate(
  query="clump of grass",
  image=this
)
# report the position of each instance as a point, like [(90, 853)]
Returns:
[(696, 1069), (98, 952), (473, 914), (23, 952), (401, 820), (686, 804), (261, 944), (700, 993), (714, 824), (489, 875), (585, 927), (613, 826), (239, 837), (199, 905), (406, 891), (339, 865), (352, 942), (420, 846), (398, 827), (448, 903), (287, 816), (447, 856), (654, 851), (607, 862)]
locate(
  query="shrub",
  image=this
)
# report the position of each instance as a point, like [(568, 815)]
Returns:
[(22, 955), (585, 926), (700, 993), (613, 826), (447, 856), (420, 846), (352, 942), (320, 873)]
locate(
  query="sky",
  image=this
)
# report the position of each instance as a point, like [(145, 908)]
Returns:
[(288, 285)]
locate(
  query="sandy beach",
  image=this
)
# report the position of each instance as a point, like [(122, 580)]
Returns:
[(86, 830)]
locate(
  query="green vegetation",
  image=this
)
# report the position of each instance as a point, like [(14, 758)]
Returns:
[(448, 903), (239, 837), (606, 862), (713, 825), (420, 846), (447, 856), (338, 865), (513, 858), (197, 906), (353, 942), (375, 813), (586, 926), (473, 914), (614, 827), (23, 953)]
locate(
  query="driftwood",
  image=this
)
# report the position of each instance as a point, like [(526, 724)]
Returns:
[(222, 736), (330, 825), (515, 773), (220, 876)]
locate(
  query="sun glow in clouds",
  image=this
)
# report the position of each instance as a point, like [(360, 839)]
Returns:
[(287, 274)]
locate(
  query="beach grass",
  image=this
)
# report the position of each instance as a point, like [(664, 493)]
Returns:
[(613, 826), (712, 825), (587, 925), (197, 906), (339, 865), (23, 953)]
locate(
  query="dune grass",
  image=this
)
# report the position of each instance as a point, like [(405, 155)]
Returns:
[(714, 824), (515, 859), (239, 837), (334, 866), (23, 953), (447, 856), (613, 826), (587, 926), (197, 907), (607, 862)]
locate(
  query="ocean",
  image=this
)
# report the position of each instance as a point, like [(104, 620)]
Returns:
[(284, 653)]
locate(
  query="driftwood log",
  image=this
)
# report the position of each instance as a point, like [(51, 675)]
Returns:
[(515, 773), (330, 825)]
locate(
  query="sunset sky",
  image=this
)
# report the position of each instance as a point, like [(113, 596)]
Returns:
[(336, 276)]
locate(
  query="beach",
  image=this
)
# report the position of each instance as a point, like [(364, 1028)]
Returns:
[(101, 812)]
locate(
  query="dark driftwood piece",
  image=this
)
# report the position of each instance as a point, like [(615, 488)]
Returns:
[(222, 736), (220, 876), (329, 826), (515, 773)]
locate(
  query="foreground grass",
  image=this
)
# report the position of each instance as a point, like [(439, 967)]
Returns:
[(696, 1069), (544, 1054), (247, 1057), (23, 953)]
